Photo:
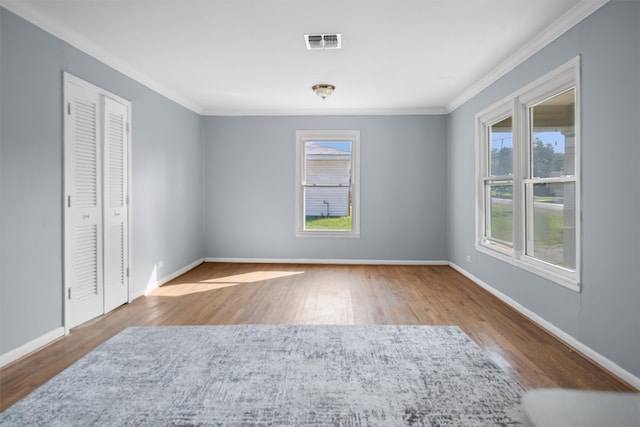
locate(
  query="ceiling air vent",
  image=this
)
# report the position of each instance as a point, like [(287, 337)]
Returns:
[(323, 41)]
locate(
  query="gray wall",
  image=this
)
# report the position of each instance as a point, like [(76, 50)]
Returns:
[(250, 188), (167, 178), (417, 176), (605, 316)]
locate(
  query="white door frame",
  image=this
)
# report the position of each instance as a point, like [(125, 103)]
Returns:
[(71, 79)]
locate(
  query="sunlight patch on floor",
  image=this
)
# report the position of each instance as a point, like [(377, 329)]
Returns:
[(177, 290), (254, 276)]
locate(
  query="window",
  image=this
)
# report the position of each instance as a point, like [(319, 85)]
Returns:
[(498, 182), (527, 154), (327, 183)]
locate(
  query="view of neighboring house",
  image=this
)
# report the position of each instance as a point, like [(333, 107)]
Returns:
[(327, 173)]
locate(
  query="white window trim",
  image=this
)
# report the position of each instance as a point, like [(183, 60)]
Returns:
[(565, 77), (328, 135)]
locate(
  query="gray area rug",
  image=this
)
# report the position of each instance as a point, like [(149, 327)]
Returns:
[(284, 375)]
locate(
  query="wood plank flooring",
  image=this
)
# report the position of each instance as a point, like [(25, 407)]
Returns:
[(229, 293)]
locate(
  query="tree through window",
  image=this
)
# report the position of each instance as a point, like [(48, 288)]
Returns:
[(528, 182)]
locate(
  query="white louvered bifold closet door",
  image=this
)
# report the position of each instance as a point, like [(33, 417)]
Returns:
[(83, 206), (115, 204)]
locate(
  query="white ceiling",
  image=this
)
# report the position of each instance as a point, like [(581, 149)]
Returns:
[(243, 57)]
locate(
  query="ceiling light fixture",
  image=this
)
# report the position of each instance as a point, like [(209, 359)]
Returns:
[(323, 90)]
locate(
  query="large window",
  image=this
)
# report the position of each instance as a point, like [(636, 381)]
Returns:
[(327, 187), (528, 177)]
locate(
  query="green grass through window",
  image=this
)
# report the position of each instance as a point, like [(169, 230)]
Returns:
[(547, 226), (340, 223)]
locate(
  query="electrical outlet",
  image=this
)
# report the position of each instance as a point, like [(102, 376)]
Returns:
[(161, 264), (468, 258)]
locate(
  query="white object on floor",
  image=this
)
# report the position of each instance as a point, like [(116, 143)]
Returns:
[(568, 408)]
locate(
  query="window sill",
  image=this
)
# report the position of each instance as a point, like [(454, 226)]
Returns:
[(558, 275), (328, 233)]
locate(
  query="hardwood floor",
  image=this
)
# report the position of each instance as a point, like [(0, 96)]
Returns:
[(225, 293)]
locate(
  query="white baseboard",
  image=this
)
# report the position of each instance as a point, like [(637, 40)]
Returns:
[(31, 346), (596, 357), (137, 294), (155, 284), (49, 337), (325, 261)]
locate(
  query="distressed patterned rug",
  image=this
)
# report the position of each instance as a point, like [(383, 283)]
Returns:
[(284, 375)]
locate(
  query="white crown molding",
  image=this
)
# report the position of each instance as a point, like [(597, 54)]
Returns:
[(555, 30), (25, 11), (328, 112), (551, 33)]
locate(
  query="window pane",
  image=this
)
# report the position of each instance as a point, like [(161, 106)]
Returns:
[(327, 192), (327, 208), (554, 232), (501, 213), (501, 137), (327, 162), (553, 132)]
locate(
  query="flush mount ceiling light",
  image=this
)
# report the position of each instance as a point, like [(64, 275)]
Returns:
[(323, 90), (323, 41)]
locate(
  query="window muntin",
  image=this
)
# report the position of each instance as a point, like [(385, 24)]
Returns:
[(538, 193), (327, 178)]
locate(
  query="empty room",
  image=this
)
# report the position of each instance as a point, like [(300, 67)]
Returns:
[(286, 212)]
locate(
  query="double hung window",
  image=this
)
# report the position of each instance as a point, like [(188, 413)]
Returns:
[(327, 183), (528, 177)]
